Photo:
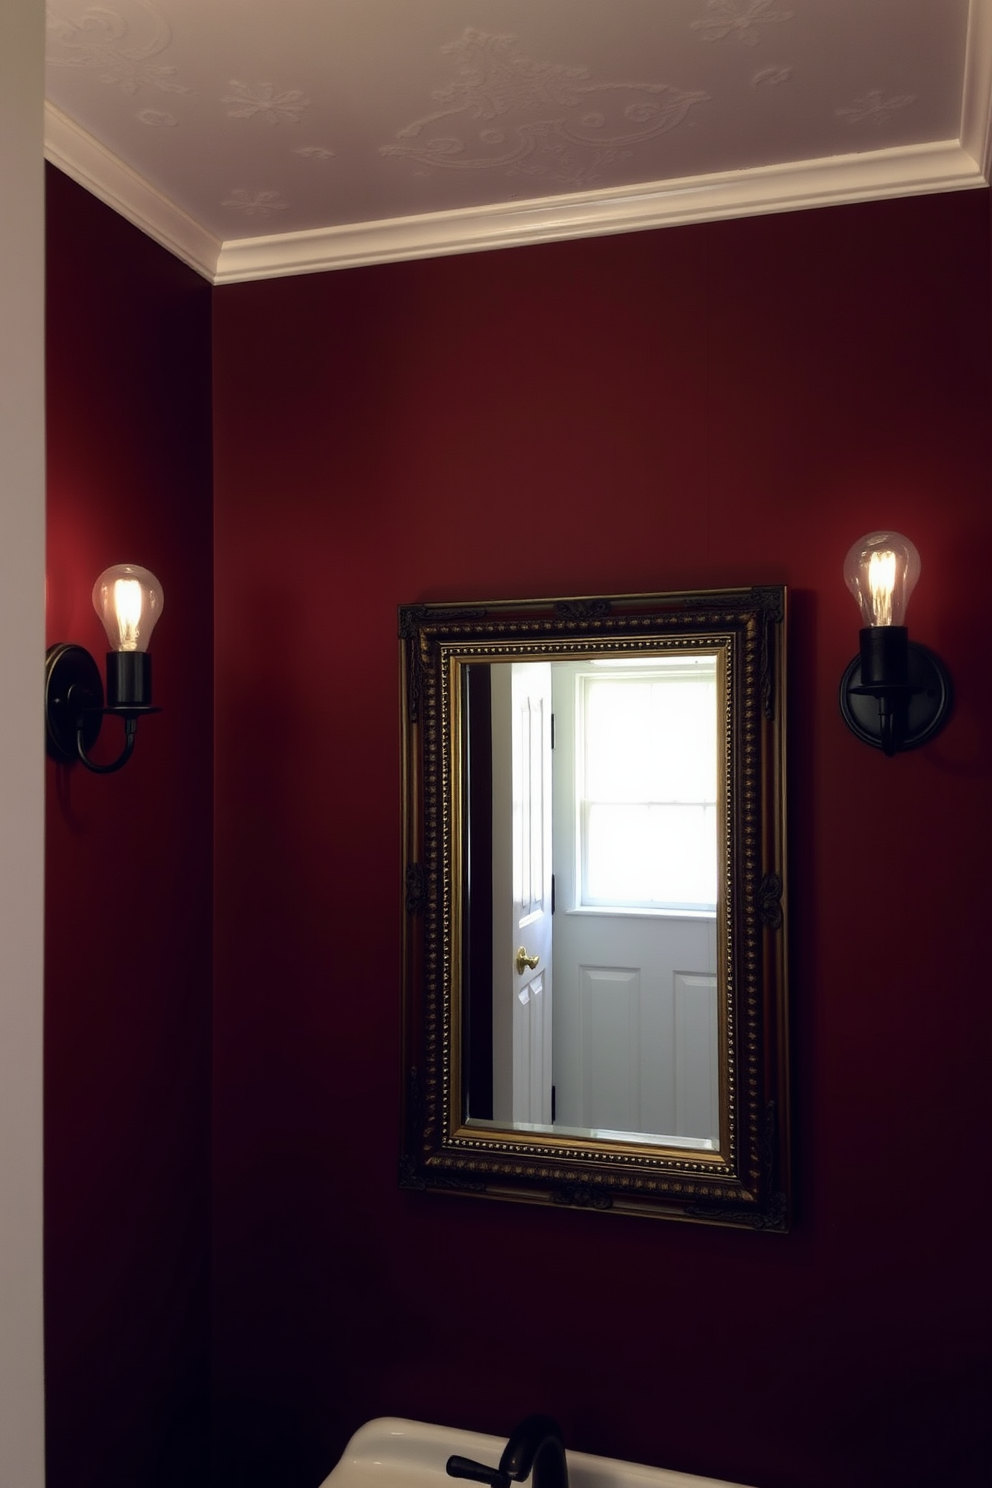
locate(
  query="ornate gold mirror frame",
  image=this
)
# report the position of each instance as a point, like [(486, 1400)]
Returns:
[(737, 1176)]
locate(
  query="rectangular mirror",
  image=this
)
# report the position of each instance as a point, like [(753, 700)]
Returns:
[(595, 963)]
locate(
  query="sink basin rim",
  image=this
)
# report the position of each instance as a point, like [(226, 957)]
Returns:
[(399, 1453)]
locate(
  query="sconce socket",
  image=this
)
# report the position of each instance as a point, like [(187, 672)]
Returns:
[(884, 656), (129, 679)]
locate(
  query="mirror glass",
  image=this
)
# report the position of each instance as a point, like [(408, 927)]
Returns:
[(595, 815), (584, 782)]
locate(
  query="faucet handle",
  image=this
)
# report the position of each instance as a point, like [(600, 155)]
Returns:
[(476, 1472)]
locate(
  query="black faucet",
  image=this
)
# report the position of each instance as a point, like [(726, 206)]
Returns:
[(534, 1446)]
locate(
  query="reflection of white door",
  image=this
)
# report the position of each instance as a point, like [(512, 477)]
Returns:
[(636, 1038), (636, 1042), (521, 712)]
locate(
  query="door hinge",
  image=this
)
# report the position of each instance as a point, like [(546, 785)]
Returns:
[(554, 1101), (552, 893)]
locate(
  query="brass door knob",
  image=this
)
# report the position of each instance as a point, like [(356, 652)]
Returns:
[(523, 961)]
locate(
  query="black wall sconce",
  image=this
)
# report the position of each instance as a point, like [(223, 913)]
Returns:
[(895, 694), (129, 601)]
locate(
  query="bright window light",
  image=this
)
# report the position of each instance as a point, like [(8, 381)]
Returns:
[(647, 787)]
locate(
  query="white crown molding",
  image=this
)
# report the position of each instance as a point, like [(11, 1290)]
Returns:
[(102, 173), (912, 171), (948, 165)]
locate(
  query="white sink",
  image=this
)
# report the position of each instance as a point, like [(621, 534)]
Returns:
[(392, 1453)]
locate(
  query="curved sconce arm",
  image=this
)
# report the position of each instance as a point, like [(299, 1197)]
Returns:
[(130, 731)]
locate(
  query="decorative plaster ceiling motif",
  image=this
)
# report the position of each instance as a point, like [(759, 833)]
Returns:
[(255, 139)]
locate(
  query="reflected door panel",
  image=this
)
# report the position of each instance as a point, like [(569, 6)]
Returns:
[(696, 1070), (521, 909), (609, 1082), (532, 1052), (674, 1042)]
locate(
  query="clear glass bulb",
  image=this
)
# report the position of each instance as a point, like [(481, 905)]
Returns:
[(881, 570), (128, 600)]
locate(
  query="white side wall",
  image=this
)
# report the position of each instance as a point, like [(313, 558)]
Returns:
[(22, 577)]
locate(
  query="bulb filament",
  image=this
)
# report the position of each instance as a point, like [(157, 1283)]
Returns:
[(127, 606), (881, 583)]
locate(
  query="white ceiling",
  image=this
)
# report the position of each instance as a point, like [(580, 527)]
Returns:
[(263, 137)]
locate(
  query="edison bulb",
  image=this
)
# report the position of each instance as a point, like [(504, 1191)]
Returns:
[(881, 570), (129, 601)]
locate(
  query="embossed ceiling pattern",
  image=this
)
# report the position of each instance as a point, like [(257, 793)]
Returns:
[(257, 137)]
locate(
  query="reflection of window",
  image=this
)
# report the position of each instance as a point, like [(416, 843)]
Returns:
[(646, 782)]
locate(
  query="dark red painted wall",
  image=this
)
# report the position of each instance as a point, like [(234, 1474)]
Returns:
[(128, 891), (723, 404)]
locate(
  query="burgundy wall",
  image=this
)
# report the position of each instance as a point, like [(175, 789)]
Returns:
[(723, 404), (128, 944)]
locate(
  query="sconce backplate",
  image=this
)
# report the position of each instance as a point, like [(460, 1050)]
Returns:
[(927, 704), (73, 692)]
